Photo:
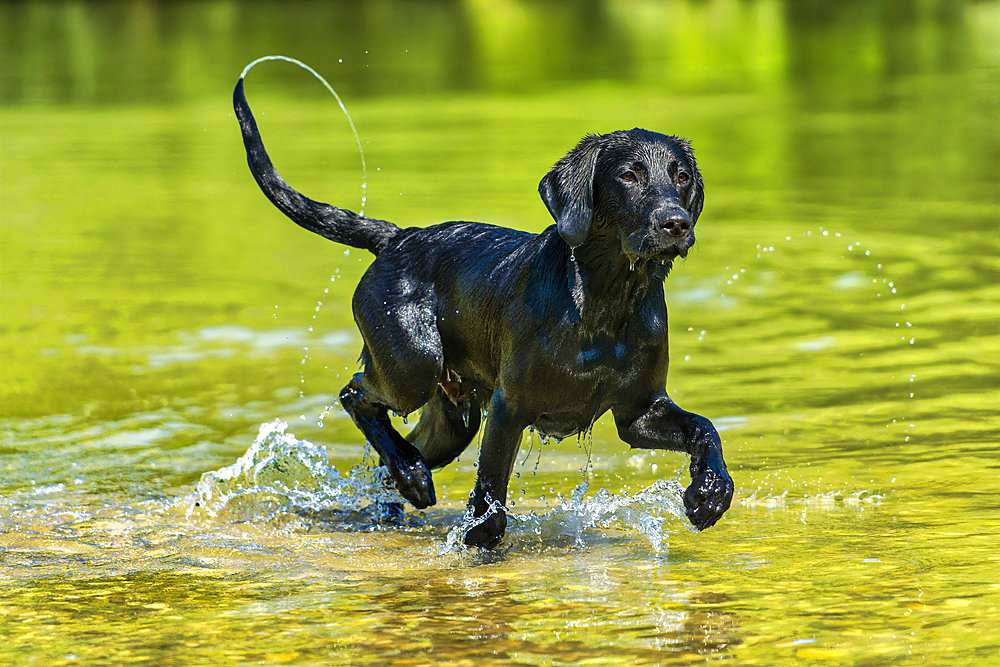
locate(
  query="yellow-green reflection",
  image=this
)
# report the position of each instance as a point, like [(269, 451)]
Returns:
[(838, 317)]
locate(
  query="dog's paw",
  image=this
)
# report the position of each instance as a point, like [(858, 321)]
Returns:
[(488, 533), (414, 482), (708, 497)]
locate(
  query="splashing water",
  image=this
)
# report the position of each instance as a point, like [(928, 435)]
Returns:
[(644, 512), (577, 518), (280, 474), (453, 542)]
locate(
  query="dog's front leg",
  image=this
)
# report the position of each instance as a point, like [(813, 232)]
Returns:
[(663, 425), (501, 440)]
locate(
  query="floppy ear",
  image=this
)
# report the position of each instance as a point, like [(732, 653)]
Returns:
[(568, 190), (696, 197)]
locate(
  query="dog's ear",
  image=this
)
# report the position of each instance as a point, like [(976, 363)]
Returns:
[(568, 190), (696, 197)]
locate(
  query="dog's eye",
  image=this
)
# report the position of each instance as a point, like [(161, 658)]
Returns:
[(683, 178), (627, 176)]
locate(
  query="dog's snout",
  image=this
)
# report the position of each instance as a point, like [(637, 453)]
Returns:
[(674, 221)]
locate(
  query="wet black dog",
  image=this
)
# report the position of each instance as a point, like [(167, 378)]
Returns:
[(549, 330)]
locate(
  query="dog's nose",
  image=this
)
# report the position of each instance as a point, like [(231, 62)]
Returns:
[(674, 221)]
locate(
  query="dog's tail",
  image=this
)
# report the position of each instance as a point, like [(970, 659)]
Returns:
[(334, 223)]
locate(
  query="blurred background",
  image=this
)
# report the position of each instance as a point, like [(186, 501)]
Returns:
[(128, 212), (165, 52)]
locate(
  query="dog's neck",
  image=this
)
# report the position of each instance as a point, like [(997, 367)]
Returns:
[(606, 284)]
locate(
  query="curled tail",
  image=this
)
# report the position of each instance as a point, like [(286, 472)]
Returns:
[(334, 223)]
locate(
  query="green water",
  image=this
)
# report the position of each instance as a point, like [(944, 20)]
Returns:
[(838, 320)]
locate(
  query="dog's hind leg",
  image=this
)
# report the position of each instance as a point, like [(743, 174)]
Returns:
[(405, 464), (403, 363), (445, 428)]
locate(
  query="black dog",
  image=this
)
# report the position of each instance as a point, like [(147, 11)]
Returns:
[(549, 330)]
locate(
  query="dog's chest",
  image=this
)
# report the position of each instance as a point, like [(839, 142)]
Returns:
[(611, 360), (583, 359)]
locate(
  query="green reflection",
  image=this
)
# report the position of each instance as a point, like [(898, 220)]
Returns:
[(838, 316)]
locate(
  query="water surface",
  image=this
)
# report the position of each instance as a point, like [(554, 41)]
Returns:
[(837, 320)]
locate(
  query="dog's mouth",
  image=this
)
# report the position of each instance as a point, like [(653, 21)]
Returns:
[(677, 246), (657, 246), (668, 251)]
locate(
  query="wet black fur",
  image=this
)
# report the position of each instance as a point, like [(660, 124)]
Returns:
[(547, 330)]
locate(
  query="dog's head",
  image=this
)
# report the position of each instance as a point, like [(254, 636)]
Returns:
[(643, 186)]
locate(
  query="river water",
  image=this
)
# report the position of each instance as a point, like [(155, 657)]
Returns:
[(178, 486)]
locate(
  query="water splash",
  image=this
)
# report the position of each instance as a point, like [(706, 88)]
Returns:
[(577, 520), (645, 512), (453, 543), (280, 475)]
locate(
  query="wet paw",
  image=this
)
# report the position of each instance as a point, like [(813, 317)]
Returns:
[(414, 483), (488, 533), (708, 497)]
